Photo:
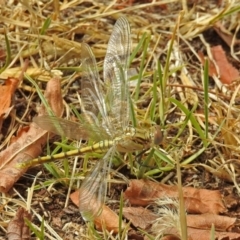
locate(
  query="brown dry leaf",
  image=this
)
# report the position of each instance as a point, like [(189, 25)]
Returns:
[(139, 217), (230, 201), (226, 36), (145, 192), (135, 234), (194, 233), (6, 92), (170, 237), (199, 234), (227, 72), (211, 67), (17, 229), (107, 219), (205, 221), (29, 141)]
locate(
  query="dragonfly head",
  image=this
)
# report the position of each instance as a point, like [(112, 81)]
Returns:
[(148, 137)]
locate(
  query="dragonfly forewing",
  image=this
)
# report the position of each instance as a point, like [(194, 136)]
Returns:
[(70, 129), (115, 72), (92, 90)]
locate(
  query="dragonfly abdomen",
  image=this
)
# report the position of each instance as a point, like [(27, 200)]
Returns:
[(100, 147)]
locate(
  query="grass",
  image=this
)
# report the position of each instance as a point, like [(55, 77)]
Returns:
[(164, 45)]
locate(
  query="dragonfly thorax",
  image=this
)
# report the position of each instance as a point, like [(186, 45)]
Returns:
[(137, 139)]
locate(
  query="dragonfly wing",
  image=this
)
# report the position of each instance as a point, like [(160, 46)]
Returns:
[(70, 129), (115, 71), (92, 89), (93, 190)]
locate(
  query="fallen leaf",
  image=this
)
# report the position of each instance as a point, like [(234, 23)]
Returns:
[(170, 237), (227, 72), (226, 35), (211, 67), (205, 221), (6, 92), (106, 219), (231, 201), (145, 192), (135, 234), (28, 144), (199, 234), (139, 216), (17, 229), (172, 229)]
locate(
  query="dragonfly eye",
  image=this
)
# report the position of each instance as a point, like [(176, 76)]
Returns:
[(158, 136)]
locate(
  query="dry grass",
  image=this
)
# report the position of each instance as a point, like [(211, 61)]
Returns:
[(184, 28)]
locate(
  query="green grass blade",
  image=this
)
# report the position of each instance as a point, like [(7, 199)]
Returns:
[(156, 172), (212, 233), (231, 11), (76, 112), (224, 13), (206, 97), (142, 65), (146, 164), (162, 156), (154, 99), (161, 102), (39, 234), (40, 94), (167, 67), (46, 184), (182, 212), (192, 118), (193, 156), (137, 49), (63, 145), (53, 169), (42, 227), (132, 113), (182, 126), (45, 26), (163, 79)]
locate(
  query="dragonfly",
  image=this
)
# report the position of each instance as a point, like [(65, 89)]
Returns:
[(105, 118)]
